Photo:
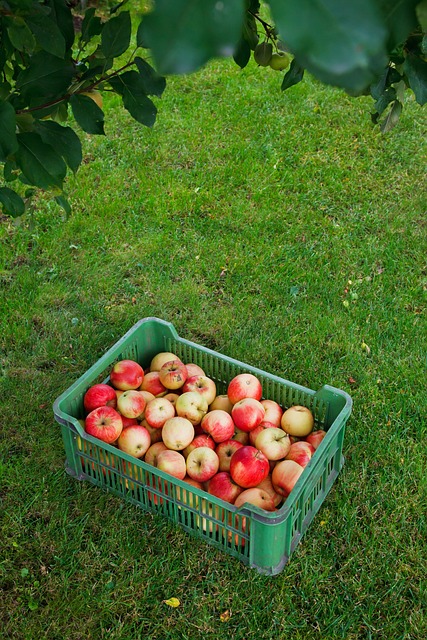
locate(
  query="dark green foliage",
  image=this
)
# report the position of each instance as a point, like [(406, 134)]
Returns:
[(51, 70)]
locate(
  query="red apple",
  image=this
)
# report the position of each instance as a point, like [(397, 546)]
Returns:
[(221, 402), (201, 440), (158, 411), (267, 485), (222, 486), (160, 358), (300, 452), (273, 412), (191, 405), (297, 421), (247, 414), (203, 385), (194, 369), (172, 397), (315, 437), (99, 395), (153, 452), (155, 434), (147, 395), (256, 496), (172, 462), (177, 433), (285, 475), (104, 423), (126, 374), (244, 385), (131, 403), (248, 467), (241, 436), (198, 431), (202, 464), (173, 374), (252, 435), (219, 424), (274, 443), (224, 451), (134, 440), (152, 384), (128, 422)]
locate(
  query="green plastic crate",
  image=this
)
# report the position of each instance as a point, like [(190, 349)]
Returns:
[(260, 539)]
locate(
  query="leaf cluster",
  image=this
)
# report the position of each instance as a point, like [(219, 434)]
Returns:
[(50, 73), (374, 48)]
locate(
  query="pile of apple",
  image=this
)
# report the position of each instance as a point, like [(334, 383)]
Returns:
[(236, 446)]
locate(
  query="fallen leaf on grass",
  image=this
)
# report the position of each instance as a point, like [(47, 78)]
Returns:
[(172, 602), (352, 380), (366, 348), (225, 616)]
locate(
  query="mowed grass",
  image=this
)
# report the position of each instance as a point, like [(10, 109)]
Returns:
[(282, 230)]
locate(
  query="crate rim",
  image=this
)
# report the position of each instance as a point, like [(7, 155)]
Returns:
[(95, 369)]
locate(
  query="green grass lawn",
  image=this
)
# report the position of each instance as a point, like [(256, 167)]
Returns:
[(280, 229)]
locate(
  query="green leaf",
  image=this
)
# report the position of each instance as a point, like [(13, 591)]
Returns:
[(131, 87), (242, 53), (388, 95), (19, 34), (64, 140), (341, 43), (416, 71), (20, 5), (46, 78), (12, 203), (39, 162), (400, 19), (184, 35), (47, 34), (250, 31), (63, 202), (10, 170), (8, 139), (421, 11), (389, 77), (140, 42), (392, 117), (87, 114), (62, 16), (5, 90), (293, 76), (116, 35), (118, 6), (91, 25), (154, 84)]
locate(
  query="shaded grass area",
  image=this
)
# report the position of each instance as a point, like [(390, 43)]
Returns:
[(280, 229)]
